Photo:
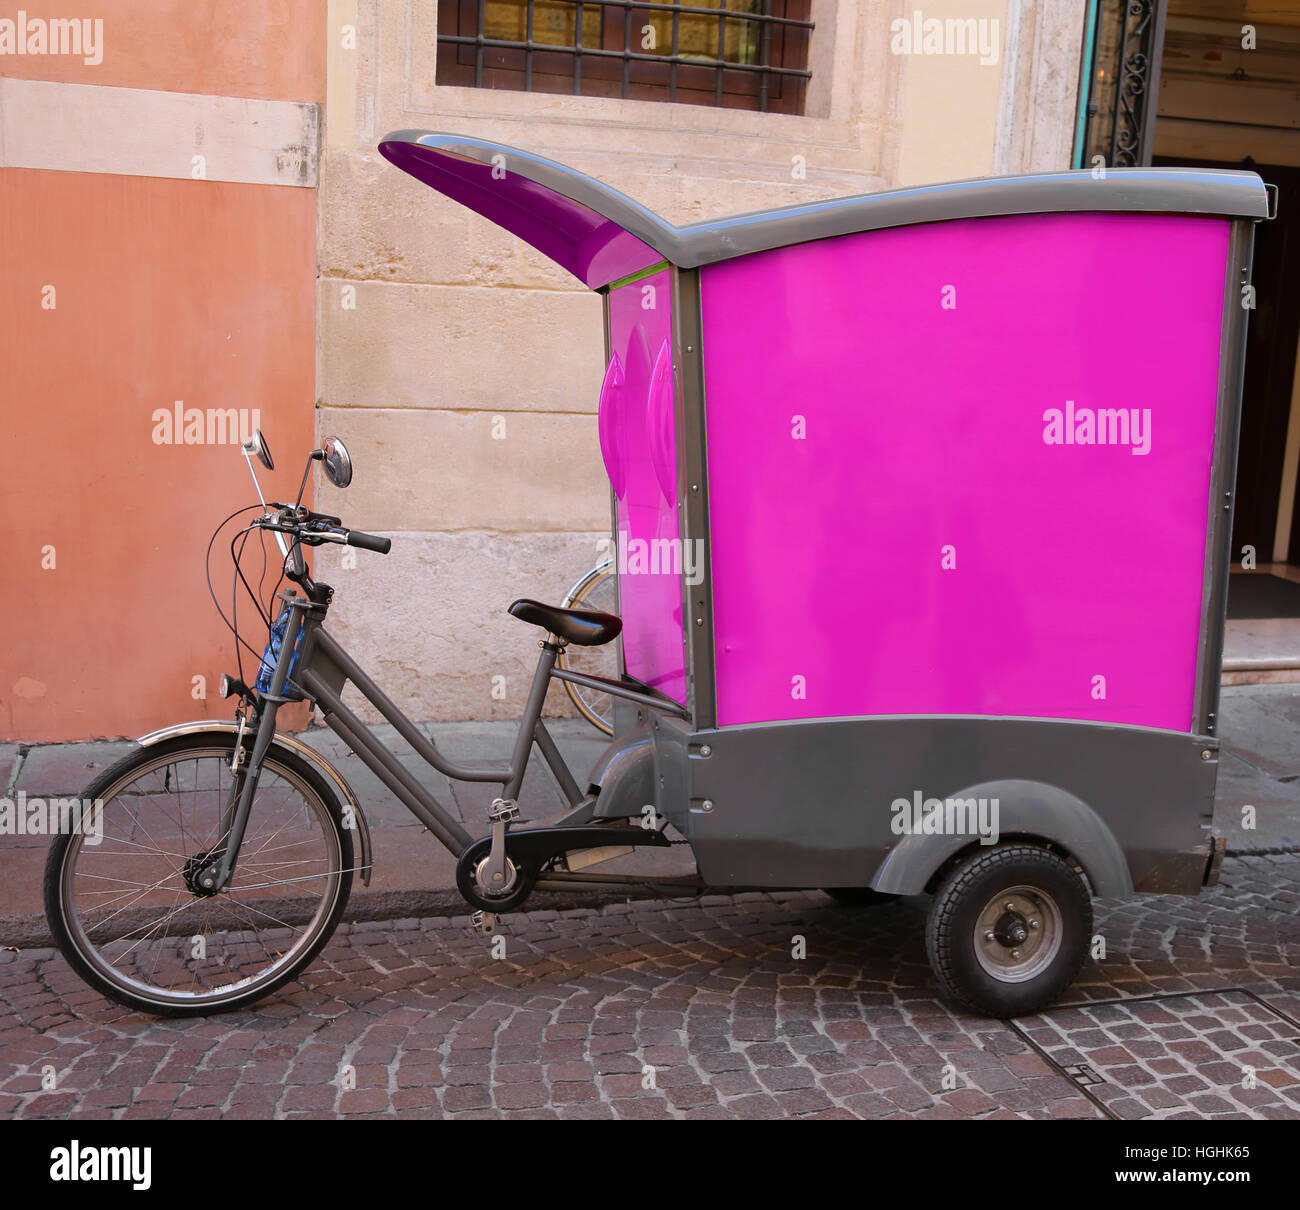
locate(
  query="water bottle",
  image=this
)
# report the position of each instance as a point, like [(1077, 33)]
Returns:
[(271, 656)]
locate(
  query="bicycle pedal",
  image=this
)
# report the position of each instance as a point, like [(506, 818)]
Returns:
[(484, 923), (503, 810)]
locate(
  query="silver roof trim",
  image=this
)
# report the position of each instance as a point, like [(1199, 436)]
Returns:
[(1218, 192)]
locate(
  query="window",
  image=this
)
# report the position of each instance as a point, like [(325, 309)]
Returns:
[(735, 54)]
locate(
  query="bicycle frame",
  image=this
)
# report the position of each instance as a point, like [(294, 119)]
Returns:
[(324, 668)]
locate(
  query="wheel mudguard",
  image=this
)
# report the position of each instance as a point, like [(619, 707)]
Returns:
[(1028, 809)]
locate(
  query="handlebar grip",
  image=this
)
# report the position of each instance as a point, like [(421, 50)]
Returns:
[(369, 541)]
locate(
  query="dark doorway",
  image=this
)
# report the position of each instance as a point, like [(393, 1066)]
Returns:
[(1271, 347), (1259, 595)]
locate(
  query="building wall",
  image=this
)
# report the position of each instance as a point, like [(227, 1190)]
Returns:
[(463, 369), (137, 275)]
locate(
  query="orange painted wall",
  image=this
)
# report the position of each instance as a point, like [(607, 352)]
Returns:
[(265, 49), (166, 290)]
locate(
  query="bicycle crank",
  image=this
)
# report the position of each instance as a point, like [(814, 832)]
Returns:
[(476, 867)]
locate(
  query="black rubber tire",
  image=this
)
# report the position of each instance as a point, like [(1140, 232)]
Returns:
[(950, 929), (858, 896), (205, 742)]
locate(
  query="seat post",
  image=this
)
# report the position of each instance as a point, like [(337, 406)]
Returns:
[(532, 712)]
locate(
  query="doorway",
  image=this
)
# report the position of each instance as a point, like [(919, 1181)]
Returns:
[(1229, 97)]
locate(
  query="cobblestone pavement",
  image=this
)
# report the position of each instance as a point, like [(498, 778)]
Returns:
[(698, 1010)]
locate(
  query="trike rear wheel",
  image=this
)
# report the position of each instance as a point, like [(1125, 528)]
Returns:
[(122, 893), (1008, 930)]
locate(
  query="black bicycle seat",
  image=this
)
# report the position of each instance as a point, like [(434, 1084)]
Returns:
[(582, 626)]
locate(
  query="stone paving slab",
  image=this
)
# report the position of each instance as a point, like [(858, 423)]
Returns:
[(695, 1009), (1273, 820), (1261, 724), (382, 807), (1260, 752), (410, 868), (10, 759), (1212, 1054), (56, 770)]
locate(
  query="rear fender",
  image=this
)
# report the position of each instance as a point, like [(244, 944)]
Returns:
[(1029, 810)]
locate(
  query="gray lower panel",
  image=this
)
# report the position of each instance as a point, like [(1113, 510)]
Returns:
[(802, 804)]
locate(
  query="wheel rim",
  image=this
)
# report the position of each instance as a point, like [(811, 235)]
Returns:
[(1018, 934), (133, 918), (598, 591)]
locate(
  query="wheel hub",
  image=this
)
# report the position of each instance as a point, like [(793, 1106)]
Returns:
[(1018, 934), (200, 874), (1011, 930)]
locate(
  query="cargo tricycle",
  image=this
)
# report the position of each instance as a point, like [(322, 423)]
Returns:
[(921, 573)]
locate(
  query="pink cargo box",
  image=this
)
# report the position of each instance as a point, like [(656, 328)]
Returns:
[(898, 519)]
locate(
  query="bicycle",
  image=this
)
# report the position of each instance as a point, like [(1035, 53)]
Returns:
[(217, 859)]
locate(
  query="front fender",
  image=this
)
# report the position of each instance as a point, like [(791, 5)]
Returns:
[(1031, 809), (288, 743)]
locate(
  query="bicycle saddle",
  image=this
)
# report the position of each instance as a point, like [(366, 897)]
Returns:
[(581, 626)]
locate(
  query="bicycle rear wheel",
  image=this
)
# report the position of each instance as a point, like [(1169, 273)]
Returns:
[(137, 929)]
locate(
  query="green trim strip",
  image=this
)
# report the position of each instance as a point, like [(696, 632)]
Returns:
[(1085, 83), (637, 276)]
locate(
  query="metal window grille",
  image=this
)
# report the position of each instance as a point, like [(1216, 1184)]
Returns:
[(748, 54)]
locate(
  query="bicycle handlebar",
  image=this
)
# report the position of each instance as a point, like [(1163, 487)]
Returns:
[(312, 529), (369, 541)]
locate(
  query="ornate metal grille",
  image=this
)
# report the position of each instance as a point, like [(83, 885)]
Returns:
[(1125, 77)]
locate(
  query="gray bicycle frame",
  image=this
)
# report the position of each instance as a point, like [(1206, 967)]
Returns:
[(324, 667)]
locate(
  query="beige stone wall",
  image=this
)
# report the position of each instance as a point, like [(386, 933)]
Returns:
[(463, 368)]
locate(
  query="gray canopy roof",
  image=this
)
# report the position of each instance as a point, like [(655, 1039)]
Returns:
[(563, 211)]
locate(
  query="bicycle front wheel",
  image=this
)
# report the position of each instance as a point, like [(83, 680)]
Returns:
[(123, 904)]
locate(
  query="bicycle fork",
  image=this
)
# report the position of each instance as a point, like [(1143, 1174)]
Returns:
[(214, 875)]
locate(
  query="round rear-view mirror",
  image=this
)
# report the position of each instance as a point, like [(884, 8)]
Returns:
[(256, 444), (338, 462)]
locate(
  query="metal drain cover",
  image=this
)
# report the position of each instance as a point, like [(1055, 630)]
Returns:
[(1198, 1055)]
